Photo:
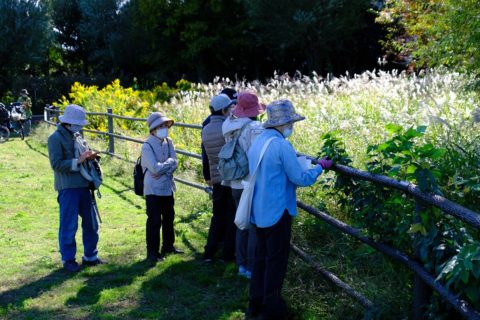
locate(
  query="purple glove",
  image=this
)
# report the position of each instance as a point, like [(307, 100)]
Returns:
[(325, 163)]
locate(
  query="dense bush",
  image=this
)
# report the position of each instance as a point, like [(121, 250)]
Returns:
[(446, 248)]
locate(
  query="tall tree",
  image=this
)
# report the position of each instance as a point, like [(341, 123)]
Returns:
[(193, 38), (97, 29), (66, 20), (25, 38), (321, 35), (433, 33)]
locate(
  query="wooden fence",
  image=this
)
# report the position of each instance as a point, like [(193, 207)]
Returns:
[(423, 281)]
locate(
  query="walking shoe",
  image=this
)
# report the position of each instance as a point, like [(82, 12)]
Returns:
[(242, 271), (207, 259), (93, 263), (155, 257), (171, 250), (71, 266)]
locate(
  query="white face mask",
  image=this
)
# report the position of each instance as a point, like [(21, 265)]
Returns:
[(288, 132), (75, 128), (161, 133)]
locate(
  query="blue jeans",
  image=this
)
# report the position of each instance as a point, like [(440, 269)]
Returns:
[(74, 202)]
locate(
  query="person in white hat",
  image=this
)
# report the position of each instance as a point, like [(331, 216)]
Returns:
[(273, 206), (74, 197), (159, 161)]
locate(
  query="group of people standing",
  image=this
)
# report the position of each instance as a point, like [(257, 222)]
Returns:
[(261, 251)]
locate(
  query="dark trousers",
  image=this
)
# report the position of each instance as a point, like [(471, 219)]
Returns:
[(270, 267), (160, 212), (245, 239), (222, 225)]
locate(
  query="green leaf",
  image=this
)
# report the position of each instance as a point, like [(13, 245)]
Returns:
[(464, 276), (411, 169), (417, 228), (421, 129), (438, 153), (393, 128)]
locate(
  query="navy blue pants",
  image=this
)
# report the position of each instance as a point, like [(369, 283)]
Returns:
[(270, 268), (73, 203), (222, 225)]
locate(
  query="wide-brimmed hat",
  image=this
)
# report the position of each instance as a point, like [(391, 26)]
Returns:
[(248, 105), (156, 119), (281, 112), (74, 115), (24, 91), (220, 102)]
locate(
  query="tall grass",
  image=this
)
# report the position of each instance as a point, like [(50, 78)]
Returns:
[(358, 108)]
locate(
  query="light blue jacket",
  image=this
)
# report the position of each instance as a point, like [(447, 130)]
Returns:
[(278, 176), (159, 157)]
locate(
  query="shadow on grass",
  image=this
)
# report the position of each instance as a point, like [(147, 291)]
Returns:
[(113, 277), (193, 290), (119, 181), (33, 148), (120, 194), (17, 296)]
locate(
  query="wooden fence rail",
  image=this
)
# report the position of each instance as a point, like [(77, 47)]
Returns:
[(423, 280)]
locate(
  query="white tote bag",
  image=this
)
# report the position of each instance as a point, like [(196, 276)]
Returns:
[(244, 209)]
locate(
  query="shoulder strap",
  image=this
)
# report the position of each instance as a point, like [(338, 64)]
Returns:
[(151, 148), (168, 147), (254, 174)]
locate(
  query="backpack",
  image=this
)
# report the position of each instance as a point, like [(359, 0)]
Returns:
[(139, 176), (232, 159)]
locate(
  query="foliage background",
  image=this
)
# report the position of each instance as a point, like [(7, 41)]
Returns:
[(422, 129)]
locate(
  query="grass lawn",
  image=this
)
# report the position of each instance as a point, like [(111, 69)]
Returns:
[(33, 285)]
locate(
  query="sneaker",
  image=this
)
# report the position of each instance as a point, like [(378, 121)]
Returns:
[(171, 250), (207, 260), (242, 271), (154, 258), (93, 263), (71, 266)]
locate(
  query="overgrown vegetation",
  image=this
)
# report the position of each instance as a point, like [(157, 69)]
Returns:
[(420, 129), (434, 33)]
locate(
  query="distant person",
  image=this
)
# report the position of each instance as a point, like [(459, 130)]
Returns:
[(160, 162), (232, 94), (26, 102), (221, 225), (243, 125), (273, 206), (73, 188)]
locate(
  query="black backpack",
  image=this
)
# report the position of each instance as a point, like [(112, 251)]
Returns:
[(139, 176)]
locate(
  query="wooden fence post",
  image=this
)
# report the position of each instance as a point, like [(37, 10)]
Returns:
[(111, 141), (421, 292)]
